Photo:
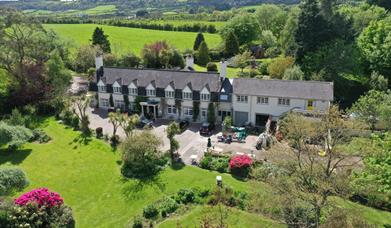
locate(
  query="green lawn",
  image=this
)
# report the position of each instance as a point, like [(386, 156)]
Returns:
[(231, 72), (98, 10), (129, 39), (88, 177), (86, 174)]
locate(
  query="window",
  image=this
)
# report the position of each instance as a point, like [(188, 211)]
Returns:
[(117, 89), (151, 92), (204, 112), (284, 101), (119, 104), (223, 97), (188, 111), (187, 95), (104, 102), (262, 100), (102, 89), (205, 97), (133, 91), (242, 99), (132, 106), (171, 109), (170, 94), (310, 104)]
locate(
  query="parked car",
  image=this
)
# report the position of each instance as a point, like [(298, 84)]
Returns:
[(184, 124), (207, 128), (144, 122)]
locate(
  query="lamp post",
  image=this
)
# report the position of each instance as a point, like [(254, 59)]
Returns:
[(219, 181)]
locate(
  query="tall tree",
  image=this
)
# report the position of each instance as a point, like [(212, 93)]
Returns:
[(244, 26), (100, 38), (312, 31), (383, 3), (172, 130), (271, 17), (203, 54), (199, 39), (231, 45)]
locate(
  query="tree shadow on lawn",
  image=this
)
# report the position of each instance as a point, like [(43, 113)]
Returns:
[(82, 139), (134, 189), (14, 157)]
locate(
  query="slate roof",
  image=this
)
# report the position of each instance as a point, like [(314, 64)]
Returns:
[(162, 78), (284, 88)]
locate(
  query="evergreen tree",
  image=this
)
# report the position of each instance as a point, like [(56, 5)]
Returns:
[(312, 31), (382, 3), (99, 38), (231, 45), (203, 54), (199, 39)]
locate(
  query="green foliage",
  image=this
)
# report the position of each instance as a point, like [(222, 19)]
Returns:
[(172, 130), (203, 54), (161, 55), (266, 171), (293, 73), (227, 122), (167, 206), (278, 66), (231, 45), (199, 39), (40, 136), (196, 109), (375, 44), (16, 118), (140, 155), (216, 163), (111, 100), (59, 75), (110, 60), (268, 40), (287, 36), (84, 58), (383, 3), (185, 196), (129, 60), (378, 82), (211, 67), (242, 60), (137, 222), (101, 39), (14, 136), (137, 100), (244, 26), (271, 17), (151, 211), (12, 180), (211, 113)]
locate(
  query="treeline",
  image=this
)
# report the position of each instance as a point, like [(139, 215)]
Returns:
[(196, 27)]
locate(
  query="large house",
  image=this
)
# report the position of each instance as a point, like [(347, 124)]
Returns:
[(184, 94)]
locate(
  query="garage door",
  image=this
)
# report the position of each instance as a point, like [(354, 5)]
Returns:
[(241, 118)]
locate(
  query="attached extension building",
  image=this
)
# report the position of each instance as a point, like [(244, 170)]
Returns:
[(187, 94)]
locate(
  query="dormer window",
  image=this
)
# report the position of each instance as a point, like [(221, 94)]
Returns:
[(101, 87), (169, 92), (116, 88), (187, 94), (151, 92), (132, 89), (205, 95)]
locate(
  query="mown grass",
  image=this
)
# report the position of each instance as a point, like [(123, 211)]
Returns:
[(129, 39), (217, 24), (96, 11), (86, 173)]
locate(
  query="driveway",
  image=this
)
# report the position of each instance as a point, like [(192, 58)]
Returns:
[(190, 141)]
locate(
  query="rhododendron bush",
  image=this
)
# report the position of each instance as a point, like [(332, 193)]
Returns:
[(240, 164), (41, 196)]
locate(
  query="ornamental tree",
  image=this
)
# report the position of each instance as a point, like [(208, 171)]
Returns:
[(12, 179), (40, 196)]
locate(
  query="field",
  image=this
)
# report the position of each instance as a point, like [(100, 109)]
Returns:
[(99, 10), (129, 39), (86, 173), (217, 24)]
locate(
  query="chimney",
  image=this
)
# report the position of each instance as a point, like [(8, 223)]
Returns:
[(98, 61), (189, 61), (223, 69)]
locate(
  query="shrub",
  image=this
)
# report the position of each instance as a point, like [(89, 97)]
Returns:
[(99, 132), (41, 196), (205, 162), (6, 207), (137, 222), (40, 136), (185, 196), (265, 171), (263, 68), (211, 67), (220, 164), (240, 165), (278, 66), (150, 211), (229, 197), (12, 179), (168, 206)]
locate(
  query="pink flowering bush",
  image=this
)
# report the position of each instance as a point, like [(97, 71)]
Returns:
[(240, 164), (41, 196)]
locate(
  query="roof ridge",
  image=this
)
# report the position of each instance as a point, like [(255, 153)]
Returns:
[(167, 70), (281, 80)]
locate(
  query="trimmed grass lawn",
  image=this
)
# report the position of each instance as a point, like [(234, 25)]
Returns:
[(95, 11), (86, 173), (124, 39)]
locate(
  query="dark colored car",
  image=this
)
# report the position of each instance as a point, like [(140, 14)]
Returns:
[(207, 128), (144, 122), (183, 124)]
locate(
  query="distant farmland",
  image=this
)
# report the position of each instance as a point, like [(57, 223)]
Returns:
[(129, 39)]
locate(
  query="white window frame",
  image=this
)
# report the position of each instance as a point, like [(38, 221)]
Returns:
[(205, 97), (102, 89), (132, 106), (133, 91), (284, 101), (151, 92), (104, 102), (204, 112), (119, 104), (170, 94), (188, 111), (241, 98), (117, 89), (263, 100), (171, 110), (187, 95)]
